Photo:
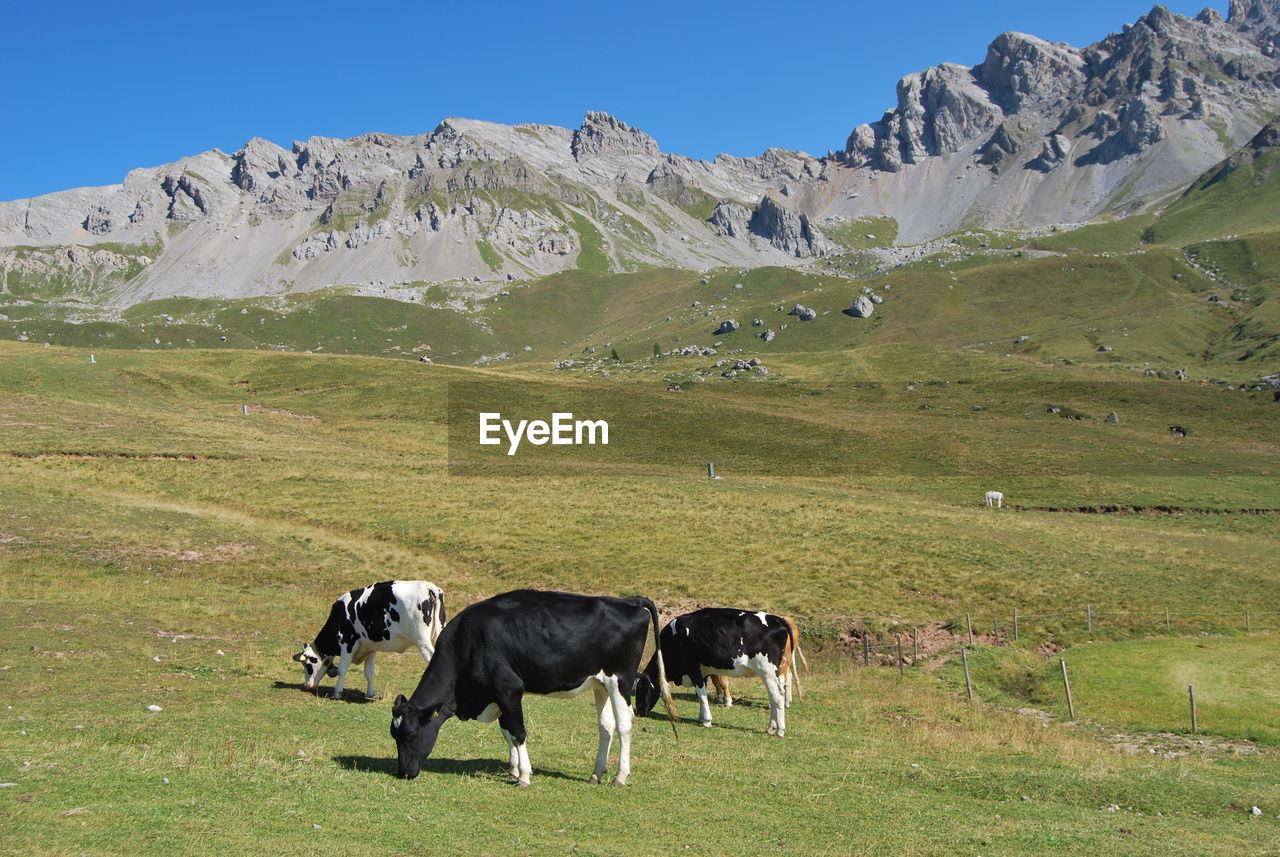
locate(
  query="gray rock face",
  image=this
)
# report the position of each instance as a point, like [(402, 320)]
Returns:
[(786, 229), (601, 134), (727, 326), (731, 219), (1053, 152)]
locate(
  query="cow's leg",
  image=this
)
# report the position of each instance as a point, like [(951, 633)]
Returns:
[(604, 713), (622, 721), (722, 697), (512, 722), (369, 692), (777, 697), (344, 664), (704, 708), (513, 755)]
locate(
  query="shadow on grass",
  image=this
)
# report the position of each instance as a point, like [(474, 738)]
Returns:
[(348, 695), (439, 765), (661, 717)]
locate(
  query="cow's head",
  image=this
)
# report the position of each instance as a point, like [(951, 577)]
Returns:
[(415, 731), (646, 694), (314, 666)]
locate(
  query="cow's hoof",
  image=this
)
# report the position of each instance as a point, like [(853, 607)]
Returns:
[(521, 784), (706, 723), (618, 781), (595, 779), (772, 730)]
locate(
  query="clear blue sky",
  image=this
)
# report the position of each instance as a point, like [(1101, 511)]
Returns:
[(91, 90)]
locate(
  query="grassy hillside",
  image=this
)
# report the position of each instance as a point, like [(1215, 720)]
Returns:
[(1150, 307), (1239, 196), (1141, 685), (856, 515)]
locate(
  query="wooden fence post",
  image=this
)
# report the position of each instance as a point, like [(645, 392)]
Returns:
[(1248, 621), (1089, 613), (915, 646), (1167, 626), (1066, 682), (866, 650), (968, 619), (1191, 692), (900, 664), (968, 685), (1015, 624)]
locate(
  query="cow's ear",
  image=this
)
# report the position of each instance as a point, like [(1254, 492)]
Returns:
[(399, 703), (298, 657)]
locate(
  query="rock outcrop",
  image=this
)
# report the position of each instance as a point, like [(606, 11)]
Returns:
[(786, 229)]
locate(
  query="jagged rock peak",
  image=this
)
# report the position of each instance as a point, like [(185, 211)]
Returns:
[(1021, 68), (602, 134)]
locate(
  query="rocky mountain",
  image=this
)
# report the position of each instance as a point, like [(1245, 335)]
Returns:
[(1037, 133)]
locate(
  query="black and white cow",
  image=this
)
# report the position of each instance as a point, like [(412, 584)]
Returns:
[(723, 641), (386, 617), (527, 641)]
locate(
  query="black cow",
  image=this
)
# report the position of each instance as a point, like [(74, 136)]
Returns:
[(527, 641), (1178, 431), (723, 641)]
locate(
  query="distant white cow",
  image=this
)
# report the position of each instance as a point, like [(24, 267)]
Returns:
[(993, 498)]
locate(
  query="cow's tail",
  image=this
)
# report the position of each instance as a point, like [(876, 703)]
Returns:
[(663, 687), (440, 619), (797, 656)]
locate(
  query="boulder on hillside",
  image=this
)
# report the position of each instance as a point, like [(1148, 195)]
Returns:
[(862, 307)]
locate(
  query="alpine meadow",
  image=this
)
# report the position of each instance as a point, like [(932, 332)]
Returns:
[(525, 357)]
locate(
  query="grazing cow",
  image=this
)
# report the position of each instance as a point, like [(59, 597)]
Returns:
[(790, 680), (723, 641), (993, 498), (527, 641), (385, 617), (1177, 431)]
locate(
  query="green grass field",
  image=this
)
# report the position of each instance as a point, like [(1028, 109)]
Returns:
[(145, 516)]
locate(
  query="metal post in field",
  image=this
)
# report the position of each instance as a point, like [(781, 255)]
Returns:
[(1066, 682), (968, 619), (900, 664), (1167, 626), (244, 409), (1191, 692), (1248, 621), (711, 470), (866, 650), (968, 685), (1015, 624), (915, 646), (1088, 609)]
